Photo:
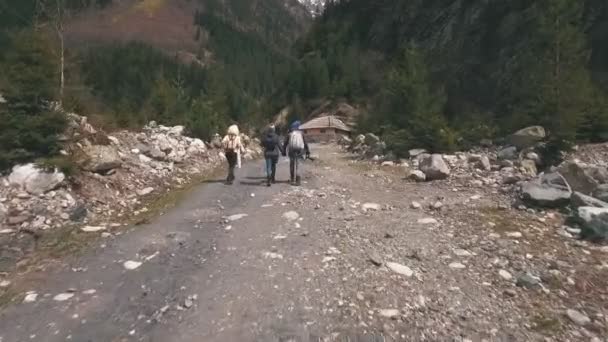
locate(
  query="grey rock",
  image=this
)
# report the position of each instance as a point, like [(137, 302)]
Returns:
[(529, 167), (435, 168), (580, 200), (417, 176), (375, 258), (550, 190), (528, 281), (15, 220), (79, 213), (100, 158), (578, 318), (579, 176), (527, 137), (485, 164), (371, 139), (35, 180), (601, 192), (508, 153), (416, 152), (156, 153), (594, 223)]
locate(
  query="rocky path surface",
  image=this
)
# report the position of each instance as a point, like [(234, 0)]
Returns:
[(355, 254)]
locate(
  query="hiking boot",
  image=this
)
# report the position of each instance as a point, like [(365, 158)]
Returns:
[(269, 182), (298, 181)]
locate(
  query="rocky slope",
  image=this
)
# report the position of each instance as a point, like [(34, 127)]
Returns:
[(112, 180)]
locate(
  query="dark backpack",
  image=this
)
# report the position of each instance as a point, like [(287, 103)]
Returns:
[(269, 143)]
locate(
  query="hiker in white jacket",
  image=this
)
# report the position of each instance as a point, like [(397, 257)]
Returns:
[(232, 148)]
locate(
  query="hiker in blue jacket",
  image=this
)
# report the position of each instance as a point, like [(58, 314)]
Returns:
[(272, 150), (295, 145)]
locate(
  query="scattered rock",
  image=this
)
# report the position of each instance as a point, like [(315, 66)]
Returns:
[(416, 205), (62, 297), (371, 207), (417, 176), (389, 313), (5, 284), (236, 217), (505, 275), (272, 255), (434, 167), (145, 191), (131, 265), (92, 229), (578, 177), (508, 154), (291, 216), (375, 258), (427, 221), (400, 269), (462, 253), (35, 180), (578, 318), (30, 297), (528, 281), (457, 265), (527, 137), (601, 192), (416, 152), (550, 190), (594, 222), (100, 158), (580, 200)]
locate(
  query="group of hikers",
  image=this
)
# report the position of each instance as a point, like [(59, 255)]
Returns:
[(294, 146)]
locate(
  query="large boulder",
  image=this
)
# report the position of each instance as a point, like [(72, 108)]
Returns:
[(371, 139), (581, 200), (579, 176), (527, 137), (197, 146), (601, 192), (434, 167), (177, 130), (417, 176), (550, 190), (594, 223), (100, 158), (34, 180), (416, 152), (528, 167), (508, 153)]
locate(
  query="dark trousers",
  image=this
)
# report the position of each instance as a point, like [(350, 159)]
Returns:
[(295, 165), (231, 156), (271, 167)]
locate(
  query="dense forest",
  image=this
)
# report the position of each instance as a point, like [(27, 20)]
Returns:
[(440, 74), (244, 57), (446, 73)]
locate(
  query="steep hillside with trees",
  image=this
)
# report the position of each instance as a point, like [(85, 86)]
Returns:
[(452, 72), (202, 63)]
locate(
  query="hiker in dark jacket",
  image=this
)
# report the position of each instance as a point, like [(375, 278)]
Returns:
[(272, 151), (295, 144)]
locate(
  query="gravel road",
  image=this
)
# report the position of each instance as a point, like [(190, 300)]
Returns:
[(346, 257)]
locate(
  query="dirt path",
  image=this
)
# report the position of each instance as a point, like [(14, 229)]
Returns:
[(344, 256)]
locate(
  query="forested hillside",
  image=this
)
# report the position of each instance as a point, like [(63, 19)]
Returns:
[(444, 73), (202, 63)]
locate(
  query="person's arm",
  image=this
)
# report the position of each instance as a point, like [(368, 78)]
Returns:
[(285, 144), (306, 149), (279, 145)]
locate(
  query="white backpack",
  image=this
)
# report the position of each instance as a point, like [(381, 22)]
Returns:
[(296, 141)]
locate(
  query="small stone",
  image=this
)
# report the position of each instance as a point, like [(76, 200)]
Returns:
[(457, 265), (131, 265), (145, 191), (5, 283), (515, 235), (416, 205), (505, 275), (528, 281), (30, 297), (271, 255), (291, 216), (427, 221), (92, 229), (437, 205), (389, 313), (236, 217), (90, 292), (62, 297), (511, 292), (577, 317), (7, 231), (462, 253), (400, 269), (371, 207), (375, 258)]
